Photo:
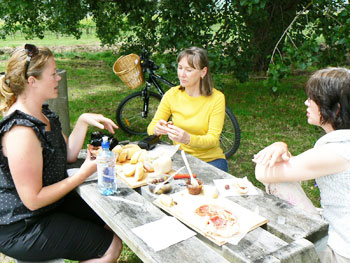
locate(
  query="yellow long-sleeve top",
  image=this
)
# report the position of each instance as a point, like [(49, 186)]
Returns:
[(202, 117)]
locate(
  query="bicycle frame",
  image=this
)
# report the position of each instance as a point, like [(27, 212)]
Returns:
[(152, 79)]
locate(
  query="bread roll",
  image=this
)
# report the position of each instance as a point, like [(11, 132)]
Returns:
[(117, 149), (131, 145), (116, 155), (142, 155), (129, 169), (131, 151), (139, 173), (122, 156), (134, 159)]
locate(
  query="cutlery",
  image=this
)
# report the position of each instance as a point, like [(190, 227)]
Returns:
[(116, 198), (167, 180), (193, 181)]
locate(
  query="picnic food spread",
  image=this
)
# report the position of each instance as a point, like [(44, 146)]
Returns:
[(135, 165), (218, 219)]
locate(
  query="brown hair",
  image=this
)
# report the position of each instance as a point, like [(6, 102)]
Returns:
[(197, 58), (14, 82), (330, 89)]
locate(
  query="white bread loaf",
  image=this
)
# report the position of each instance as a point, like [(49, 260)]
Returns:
[(162, 165)]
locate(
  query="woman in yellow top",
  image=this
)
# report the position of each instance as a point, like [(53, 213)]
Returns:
[(197, 110)]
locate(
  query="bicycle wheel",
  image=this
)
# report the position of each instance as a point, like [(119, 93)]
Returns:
[(129, 112), (230, 137)]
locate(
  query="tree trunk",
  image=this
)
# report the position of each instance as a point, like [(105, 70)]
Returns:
[(267, 27)]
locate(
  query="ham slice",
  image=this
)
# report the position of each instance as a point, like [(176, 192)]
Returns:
[(207, 210), (221, 222)]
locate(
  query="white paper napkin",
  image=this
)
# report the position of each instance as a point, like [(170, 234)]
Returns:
[(221, 183), (92, 177), (163, 233)]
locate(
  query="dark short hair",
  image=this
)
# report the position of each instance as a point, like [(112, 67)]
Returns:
[(330, 89)]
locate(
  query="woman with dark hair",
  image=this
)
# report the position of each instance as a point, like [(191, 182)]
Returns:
[(328, 106), (40, 217), (197, 110)]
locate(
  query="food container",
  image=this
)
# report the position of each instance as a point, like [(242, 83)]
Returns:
[(166, 188), (194, 190)]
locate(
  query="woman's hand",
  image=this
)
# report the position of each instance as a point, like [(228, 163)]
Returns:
[(89, 166), (99, 121), (161, 128), (77, 136), (177, 134), (276, 152)]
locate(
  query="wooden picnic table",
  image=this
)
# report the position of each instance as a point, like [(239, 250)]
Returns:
[(289, 235)]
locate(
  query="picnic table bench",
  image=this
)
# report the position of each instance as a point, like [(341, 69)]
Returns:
[(289, 235)]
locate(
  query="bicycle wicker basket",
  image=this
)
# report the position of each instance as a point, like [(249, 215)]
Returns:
[(128, 69)]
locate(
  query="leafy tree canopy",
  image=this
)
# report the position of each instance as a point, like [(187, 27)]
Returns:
[(242, 36)]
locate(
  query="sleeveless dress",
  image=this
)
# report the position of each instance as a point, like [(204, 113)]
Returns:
[(37, 235), (54, 164)]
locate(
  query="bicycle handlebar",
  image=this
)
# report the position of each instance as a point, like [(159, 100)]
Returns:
[(147, 63)]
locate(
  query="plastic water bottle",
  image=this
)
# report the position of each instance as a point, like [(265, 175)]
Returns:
[(105, 169)]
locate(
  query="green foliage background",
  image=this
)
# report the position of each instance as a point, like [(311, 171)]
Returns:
[(242, 37)]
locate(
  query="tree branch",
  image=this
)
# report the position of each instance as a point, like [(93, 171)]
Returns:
[(290, 25)]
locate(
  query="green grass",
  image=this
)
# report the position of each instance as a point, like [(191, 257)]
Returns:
[(50, 40), (264, 116)]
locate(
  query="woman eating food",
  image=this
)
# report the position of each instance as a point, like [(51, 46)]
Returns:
[(40, 217), (196, 108)]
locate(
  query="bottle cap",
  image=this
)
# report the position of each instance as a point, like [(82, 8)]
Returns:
[(105, 142)]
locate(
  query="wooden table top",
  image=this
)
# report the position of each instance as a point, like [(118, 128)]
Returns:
[(289, 241)]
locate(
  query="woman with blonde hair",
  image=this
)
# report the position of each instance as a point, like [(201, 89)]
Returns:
[(196, 108), (328, 106), (40, 217)]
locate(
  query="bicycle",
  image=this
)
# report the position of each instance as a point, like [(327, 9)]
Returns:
[(136, 111)]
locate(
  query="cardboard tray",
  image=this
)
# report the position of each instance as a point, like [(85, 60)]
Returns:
[(186, 205)]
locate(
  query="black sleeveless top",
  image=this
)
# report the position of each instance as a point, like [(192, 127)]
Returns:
[(54, 153)]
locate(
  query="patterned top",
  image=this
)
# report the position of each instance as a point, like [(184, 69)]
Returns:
[(54, 153), (335, 194)]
